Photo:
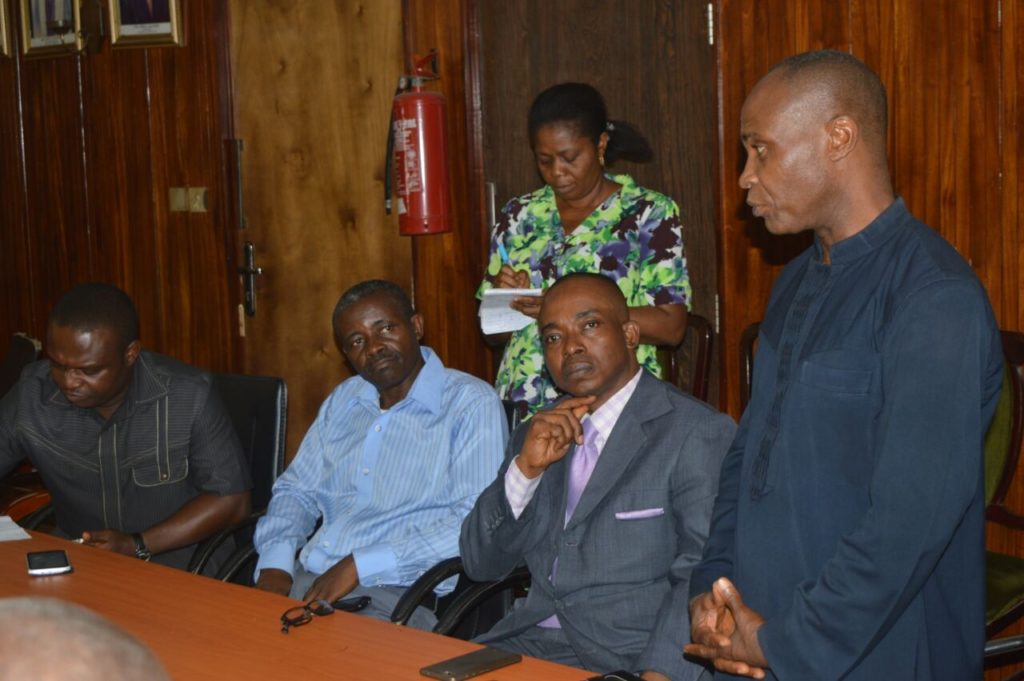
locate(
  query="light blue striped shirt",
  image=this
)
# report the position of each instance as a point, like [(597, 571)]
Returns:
[(392, 486)]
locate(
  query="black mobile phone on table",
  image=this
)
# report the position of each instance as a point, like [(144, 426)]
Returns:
[(352, 604), (44, 563), (471, 664)]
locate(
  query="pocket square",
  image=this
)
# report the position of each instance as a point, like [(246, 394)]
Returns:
[(638, 515)]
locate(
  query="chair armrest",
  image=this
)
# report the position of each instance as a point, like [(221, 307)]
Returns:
[(33, 520), (419, 589), (234, 564), (999, 647), (206, 548), (476, 594), (998, 513)]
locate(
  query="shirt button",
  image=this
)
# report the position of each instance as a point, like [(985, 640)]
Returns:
[(163, 476), (324, 544), (377, 427), (366, 471), (570, 543)]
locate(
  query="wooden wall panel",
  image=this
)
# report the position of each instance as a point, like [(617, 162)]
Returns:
[(91, 144), (447, 267), (52, 126), (313, 84), (189, 120), (752, 36), (116, 102), (16, 283)]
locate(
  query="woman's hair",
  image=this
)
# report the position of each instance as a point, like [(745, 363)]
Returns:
[(581, 106)]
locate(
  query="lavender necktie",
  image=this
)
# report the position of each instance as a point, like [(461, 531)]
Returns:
[(581, 466)]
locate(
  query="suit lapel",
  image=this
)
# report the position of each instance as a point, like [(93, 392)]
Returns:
[(624, 444)]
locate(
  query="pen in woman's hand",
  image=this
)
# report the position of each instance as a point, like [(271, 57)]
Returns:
[(502, 253)]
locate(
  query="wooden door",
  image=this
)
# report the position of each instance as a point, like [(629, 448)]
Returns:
[(654, 64), (312, 87)]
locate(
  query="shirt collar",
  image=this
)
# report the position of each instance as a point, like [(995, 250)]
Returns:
[(878, 231), (608, 414), (427, 390)]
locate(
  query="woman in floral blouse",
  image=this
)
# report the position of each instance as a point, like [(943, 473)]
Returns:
[(586, 220)]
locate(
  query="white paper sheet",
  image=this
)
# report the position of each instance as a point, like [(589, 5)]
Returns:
[(10, 531), (495, 314)]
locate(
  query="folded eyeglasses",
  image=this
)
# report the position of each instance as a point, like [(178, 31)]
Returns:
[(303, 614)]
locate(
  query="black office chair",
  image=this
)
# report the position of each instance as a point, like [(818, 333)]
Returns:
[(688, 365), (23, 350), (258, 409), (22, 493)]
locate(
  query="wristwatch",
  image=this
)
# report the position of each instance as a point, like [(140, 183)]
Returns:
[(141, 552)]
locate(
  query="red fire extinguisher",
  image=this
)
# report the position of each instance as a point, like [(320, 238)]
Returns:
[(417, 148)]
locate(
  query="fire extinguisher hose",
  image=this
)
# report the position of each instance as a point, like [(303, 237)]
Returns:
[(389, 158)]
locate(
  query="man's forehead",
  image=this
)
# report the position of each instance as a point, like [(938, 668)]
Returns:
[(373, 309)]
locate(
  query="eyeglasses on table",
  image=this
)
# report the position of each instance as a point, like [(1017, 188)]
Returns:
[(318, 607)]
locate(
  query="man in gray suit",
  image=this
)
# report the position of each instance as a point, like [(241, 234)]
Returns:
[(606, 497)]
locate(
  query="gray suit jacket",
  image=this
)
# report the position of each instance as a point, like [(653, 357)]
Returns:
[(624, 559)]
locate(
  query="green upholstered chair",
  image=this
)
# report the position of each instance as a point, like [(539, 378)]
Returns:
[(1004, 580)]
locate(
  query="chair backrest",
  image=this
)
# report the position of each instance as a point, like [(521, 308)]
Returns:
[(1006, 433), (258, 408), (22, 350), (688, 365), (515, 412), (748, 344)]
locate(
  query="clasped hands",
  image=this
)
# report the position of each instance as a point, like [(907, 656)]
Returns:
[(724, 631), (551, 432)]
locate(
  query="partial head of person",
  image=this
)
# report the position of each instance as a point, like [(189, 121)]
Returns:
[(92, 341), (379, 333), (572, 138), (46, 639), (589, 340), (814, 130)]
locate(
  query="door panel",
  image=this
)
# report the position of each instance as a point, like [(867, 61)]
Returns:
[(313, 83)]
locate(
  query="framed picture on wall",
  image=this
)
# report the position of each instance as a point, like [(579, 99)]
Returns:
[(5, 39), (144, 23), (50, 27)]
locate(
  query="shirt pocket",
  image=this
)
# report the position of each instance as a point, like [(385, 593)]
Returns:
[(837, 375), (153, 472)]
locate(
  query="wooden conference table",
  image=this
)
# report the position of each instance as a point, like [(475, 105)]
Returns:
[(204, 629)]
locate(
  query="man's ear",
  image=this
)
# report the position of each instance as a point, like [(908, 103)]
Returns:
[(417, 325), (131, 353), (843, 136), (631, 330)]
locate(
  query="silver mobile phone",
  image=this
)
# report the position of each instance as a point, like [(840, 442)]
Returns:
[(42, 563), (471, 664)]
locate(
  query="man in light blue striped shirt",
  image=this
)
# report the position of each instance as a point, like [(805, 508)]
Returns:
[(394, 461)]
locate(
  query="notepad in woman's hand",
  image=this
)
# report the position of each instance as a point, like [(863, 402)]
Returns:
[(496, 315)]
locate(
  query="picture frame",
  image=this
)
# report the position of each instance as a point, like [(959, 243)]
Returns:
[(50, 27), (145, 23), (5, 36)]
